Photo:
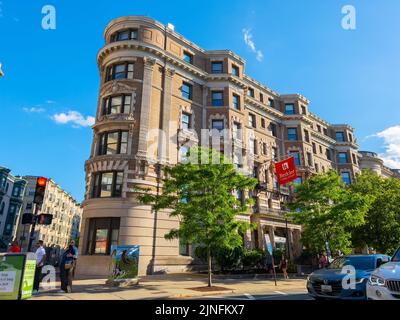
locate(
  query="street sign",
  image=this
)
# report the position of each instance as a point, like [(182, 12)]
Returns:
[(286, 171), (268, 244)]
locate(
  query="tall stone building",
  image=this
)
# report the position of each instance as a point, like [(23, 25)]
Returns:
[(152, 79), (11, 194), (370, 161), (66, 212)]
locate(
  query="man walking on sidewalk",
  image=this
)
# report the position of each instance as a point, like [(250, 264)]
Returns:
[(40, 255)]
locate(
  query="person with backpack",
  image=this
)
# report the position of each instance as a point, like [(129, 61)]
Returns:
[(66, 267)]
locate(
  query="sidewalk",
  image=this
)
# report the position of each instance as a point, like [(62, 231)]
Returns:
[(171, 286)]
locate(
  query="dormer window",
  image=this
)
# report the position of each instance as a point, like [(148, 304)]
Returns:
[(129, 34), (339, 136), (217, 67), (250, 92), (235, 70), (289, 109), (188, 57)]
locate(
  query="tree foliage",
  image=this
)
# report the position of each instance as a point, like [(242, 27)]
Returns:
[(328, 211), (381, 229), (202, 196)]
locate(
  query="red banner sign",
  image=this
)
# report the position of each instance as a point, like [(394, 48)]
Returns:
[(286, 171)]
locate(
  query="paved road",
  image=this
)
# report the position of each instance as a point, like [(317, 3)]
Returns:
[(276, 295)]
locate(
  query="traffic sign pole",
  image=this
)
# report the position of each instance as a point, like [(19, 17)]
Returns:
[(32, 233)]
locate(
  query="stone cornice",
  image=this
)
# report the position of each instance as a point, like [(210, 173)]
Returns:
[(259, 85), (141, 46), (254, 103), (295, 96), (323, 137), (347, 144), (117, 119), (298, 117), (318, 119)]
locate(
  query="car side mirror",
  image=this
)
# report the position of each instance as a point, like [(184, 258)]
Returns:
[(379, 262)]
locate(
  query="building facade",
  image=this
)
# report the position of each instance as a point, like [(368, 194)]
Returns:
[(11, 196), (66, 213), (158, 93), (370, 161)]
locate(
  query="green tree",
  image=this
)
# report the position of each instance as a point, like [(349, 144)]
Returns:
[(201, 195), (328, 211), (382, 221)]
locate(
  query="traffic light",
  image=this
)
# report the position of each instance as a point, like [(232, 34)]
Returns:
[(45, 219), (40, 190), (27, 218)]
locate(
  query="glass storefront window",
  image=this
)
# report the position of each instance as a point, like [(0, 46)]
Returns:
[(103, 232)]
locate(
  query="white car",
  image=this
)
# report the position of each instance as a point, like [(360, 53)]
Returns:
[(384, 282)]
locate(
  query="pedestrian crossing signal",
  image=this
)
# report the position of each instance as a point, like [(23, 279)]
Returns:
[(27, 218), (45, 219)]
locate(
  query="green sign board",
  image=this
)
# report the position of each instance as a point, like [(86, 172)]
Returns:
[(17, 273), (28, 279), (11, 267)]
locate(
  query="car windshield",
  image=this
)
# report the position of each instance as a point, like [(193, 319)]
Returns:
[(396, 256), (359, 263)]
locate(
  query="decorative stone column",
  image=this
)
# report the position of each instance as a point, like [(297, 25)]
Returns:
[(164, 138), (145, 107), (271, 232)]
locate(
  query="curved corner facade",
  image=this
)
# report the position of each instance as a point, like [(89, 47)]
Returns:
[(158, 91)]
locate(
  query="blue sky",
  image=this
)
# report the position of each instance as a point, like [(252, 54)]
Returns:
[(350, 76)]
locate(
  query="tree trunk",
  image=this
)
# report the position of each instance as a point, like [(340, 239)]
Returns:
[(209, 266)]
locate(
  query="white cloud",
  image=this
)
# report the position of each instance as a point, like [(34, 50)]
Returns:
[(50, 102), (34, 110), (75, 118), (248, 40), (391, 138)]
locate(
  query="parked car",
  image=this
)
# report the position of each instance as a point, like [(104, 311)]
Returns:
[(384, 282), (326, 283)]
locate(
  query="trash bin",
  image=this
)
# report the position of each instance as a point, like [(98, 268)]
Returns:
[(17, 274)]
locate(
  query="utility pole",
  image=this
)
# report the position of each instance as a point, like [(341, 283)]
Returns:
[(32, 233)]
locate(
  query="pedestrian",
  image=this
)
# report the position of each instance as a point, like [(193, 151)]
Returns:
[(66, 268), (284, 267), (268, 263), (323, 260), (72, 243), (40, 255), (14, 248)]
